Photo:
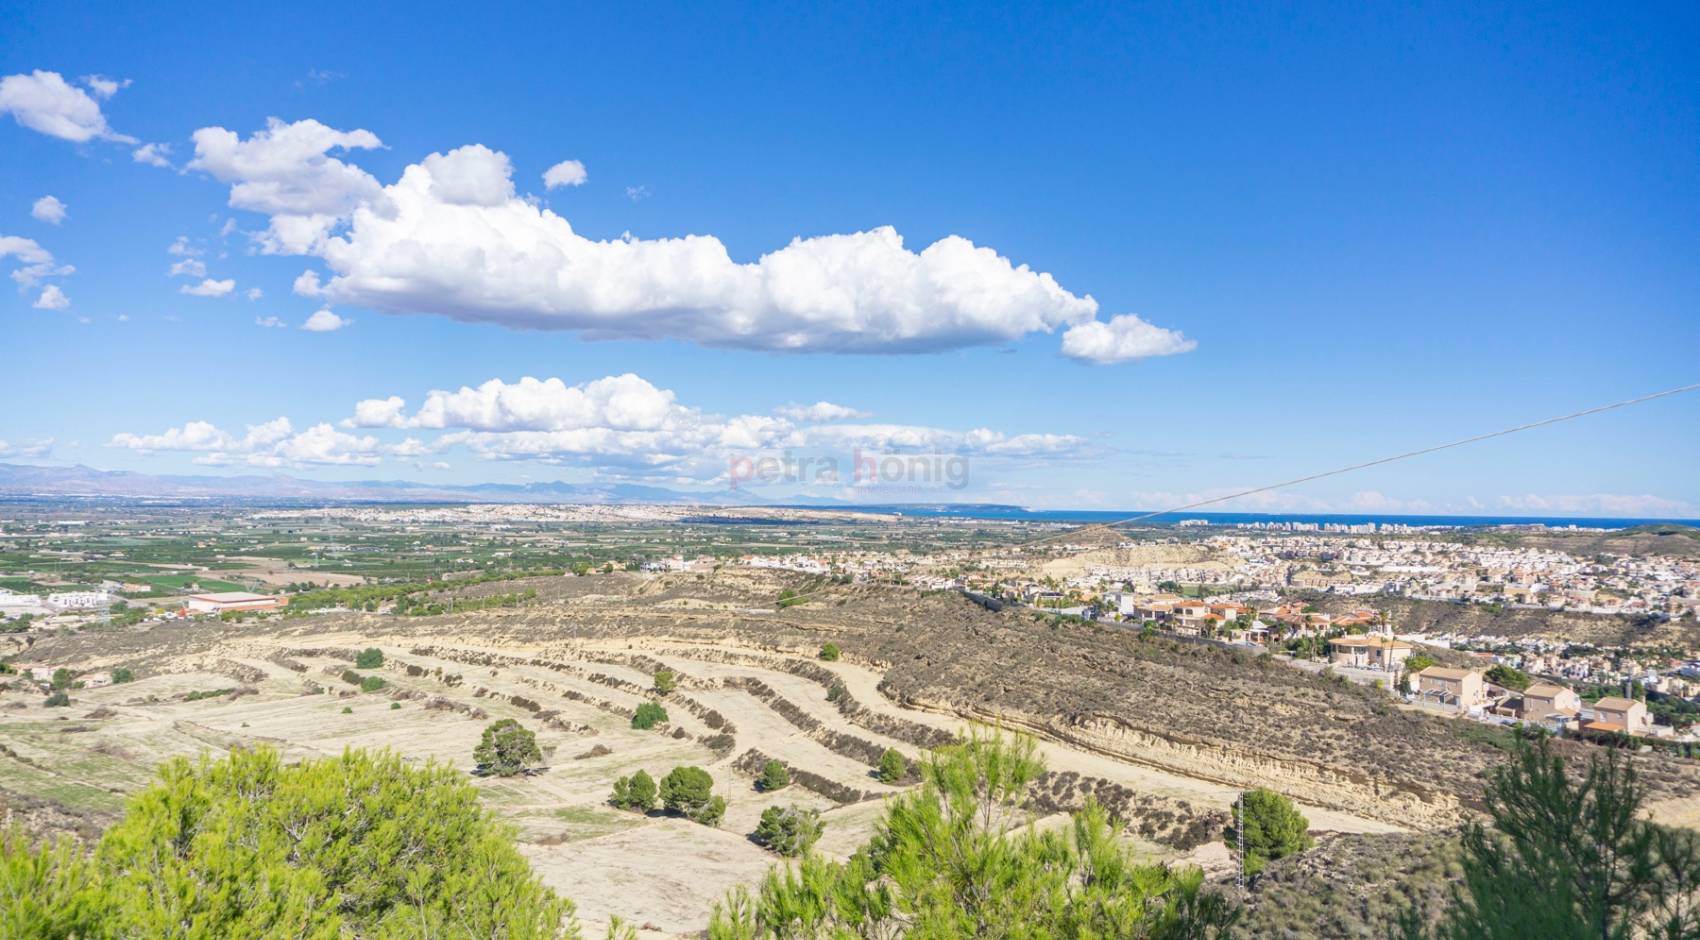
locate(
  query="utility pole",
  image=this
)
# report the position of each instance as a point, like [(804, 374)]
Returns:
[(1239, 837)]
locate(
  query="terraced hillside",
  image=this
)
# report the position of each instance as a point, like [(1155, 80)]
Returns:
[(1164, 735)]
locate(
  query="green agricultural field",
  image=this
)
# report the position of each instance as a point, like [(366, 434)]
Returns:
[(179, 583)]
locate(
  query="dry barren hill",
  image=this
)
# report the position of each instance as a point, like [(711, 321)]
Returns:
[(1163, 734), (1429, 616)]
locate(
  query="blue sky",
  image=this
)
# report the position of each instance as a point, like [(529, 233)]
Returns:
[(1345, 231)]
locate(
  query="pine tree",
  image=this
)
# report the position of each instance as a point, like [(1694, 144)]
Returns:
[(364, 845), (774, 776), (1569, 857), (893, 768), (507, 748), (1274, 828), (953, 858)]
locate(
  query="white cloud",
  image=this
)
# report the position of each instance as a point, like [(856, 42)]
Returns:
[(35, 262), (624, 422), (182, 248), (43, 101), (473, 175), (153, 155), (905, 438), (270, 322), (622, 402), (285, 172), (453, 237), (636, 193), (307, 284), (377, 413), (188, 267), (29, 450), (209, 288), (324, 321), (195, 435), (48, 209), (103, 86), (52, 298), (819, 411), (254, 293), (273, 443), (520, 265), (1625, 505), (621, 425), (323, 444), (1124, 338), (565, 173)]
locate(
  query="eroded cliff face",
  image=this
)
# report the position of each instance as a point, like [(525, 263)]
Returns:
[(1395, 802)]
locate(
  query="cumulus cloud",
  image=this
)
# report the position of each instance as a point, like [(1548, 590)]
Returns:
[(286, 172), (324, 321), (452, 237), (625, 402), (254, 293), (27, 450), (565, 173), (274, 323), (625, 420), (1122, 339), (48, 209), (209, 287), (43, 101), (377, 413), (153, 155), (272, 443), (818, 412), (187, 267), (104, 87), (34, 263), (905, 438), (52, 298), (473, 175), (620, 425), (1622, 505)]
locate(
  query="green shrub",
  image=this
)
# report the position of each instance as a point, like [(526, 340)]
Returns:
[(372, 683), (666, 680), (954, 858), (58, 699), (122, 675), (347, 710), (63, 678), (829, 652), (361, 845), (394, 706), (893, 768), (1274, 828), (836, 693), (688, 792), (774, 776), (712, 813), (648, 715), (506, 748), (635, 792), (369, 658), (788, 830), (1508, 677)]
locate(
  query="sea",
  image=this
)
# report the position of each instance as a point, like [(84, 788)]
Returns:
[(1088, 516)]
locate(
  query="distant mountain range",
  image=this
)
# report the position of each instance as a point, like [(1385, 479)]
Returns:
[(20, 480)]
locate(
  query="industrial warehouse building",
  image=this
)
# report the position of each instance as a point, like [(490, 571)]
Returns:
[(232, 600)]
